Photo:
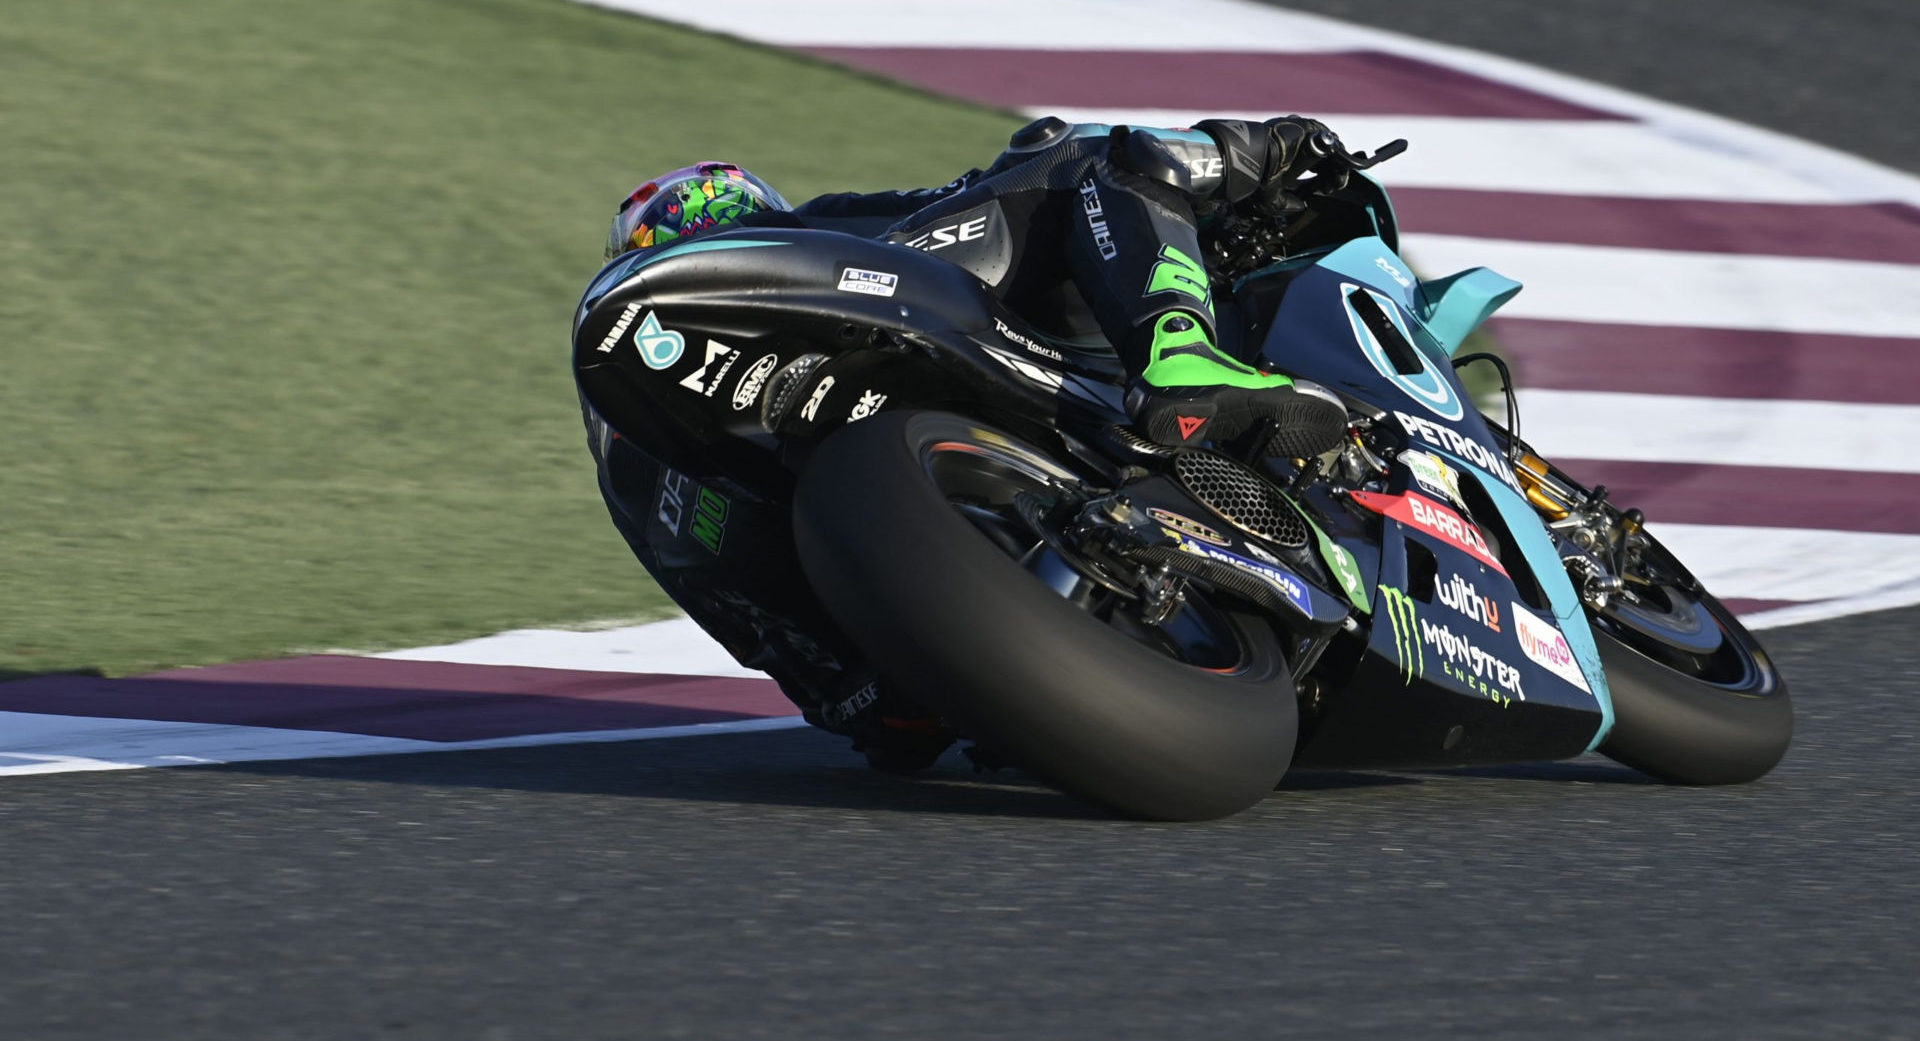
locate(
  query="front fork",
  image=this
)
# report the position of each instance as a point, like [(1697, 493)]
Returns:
[(1599, 544)]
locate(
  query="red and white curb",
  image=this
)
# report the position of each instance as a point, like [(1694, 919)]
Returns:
[(1721, 323), (515, 689)]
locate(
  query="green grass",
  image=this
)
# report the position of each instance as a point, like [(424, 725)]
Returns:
[(284, 297)]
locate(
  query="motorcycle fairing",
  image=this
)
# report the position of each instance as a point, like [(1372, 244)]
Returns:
[(1440, 715), (1314, 333), (1537, 546), (938, 340)]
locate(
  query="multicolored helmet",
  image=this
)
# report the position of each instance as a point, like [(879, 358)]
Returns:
[(688, 201)]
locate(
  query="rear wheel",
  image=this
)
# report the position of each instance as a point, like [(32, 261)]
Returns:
[(918, 531)]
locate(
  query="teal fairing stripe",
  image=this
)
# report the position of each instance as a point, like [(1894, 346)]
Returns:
[(1537, 546), (1460, 303)]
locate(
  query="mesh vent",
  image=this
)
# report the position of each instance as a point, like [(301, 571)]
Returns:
[(1241, 496)]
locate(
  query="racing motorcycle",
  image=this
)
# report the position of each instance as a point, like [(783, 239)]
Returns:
[(844, 455)]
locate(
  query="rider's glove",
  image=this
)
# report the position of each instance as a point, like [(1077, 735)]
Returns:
[(1264, 159), (1297, 143)]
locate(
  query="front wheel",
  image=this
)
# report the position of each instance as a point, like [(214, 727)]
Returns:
[(1696, 699), (911, 528)]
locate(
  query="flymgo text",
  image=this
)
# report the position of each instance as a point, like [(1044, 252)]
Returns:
[(1544, 645)]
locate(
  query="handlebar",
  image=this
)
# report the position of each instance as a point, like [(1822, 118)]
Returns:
[(1253, 233)]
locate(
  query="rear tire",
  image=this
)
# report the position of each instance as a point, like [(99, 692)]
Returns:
[(1012, 663)]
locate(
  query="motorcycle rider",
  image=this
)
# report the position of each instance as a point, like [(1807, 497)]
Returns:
[(1117, 213), (1115, 210)]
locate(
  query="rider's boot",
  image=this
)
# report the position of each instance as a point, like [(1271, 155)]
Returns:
[(895, 733), (1191, 393)]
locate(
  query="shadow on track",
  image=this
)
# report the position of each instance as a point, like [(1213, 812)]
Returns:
[(790, 769), (13, 675), (803, 769)]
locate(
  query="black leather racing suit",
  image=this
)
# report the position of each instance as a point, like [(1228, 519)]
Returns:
[(1094, 205)]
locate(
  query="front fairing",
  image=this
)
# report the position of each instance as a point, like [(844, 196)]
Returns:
[(1336, 323)]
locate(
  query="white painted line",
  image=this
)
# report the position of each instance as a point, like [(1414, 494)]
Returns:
[(1561, 157), (1672, 287), (1801, 614), (1194, 25), (1794, 563), (1659, 428), (675, 647), (32, 743)]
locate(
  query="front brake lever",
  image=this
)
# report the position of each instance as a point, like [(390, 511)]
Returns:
[(1362, 161)]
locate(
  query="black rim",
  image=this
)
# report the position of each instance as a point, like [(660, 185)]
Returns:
[(987, 483)]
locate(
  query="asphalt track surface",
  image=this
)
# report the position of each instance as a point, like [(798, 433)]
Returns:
[(1839, 72), (766, 885)]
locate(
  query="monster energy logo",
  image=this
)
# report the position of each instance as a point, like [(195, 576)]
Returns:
[(1406, 632), (1175, 272), (710, 519)]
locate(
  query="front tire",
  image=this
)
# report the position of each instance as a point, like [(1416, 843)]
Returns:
[(1727, 720), (1014, 664), (1696, 699)]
